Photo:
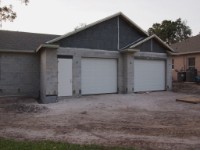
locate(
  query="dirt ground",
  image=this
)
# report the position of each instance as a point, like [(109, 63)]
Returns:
[(148, 121)]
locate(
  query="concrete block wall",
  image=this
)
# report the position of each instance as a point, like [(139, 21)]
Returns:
[(19, 74), (125, 66), (79, 53), (48, 76), (128, 66), (42, 75), (36, 74)]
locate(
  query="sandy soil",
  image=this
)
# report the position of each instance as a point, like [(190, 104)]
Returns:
[(148, 121)]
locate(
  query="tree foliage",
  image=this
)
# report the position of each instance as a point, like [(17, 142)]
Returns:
[(7, 13), (171, 31)]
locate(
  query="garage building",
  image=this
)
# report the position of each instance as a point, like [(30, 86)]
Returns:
[(112, 55)]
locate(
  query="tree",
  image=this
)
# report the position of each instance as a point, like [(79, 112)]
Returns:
[(7, 13), (171, 31)]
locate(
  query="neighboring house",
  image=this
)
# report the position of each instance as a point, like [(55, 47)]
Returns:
[(187, 56), (112, 55)]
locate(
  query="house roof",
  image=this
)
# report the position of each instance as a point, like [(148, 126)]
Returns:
[(22, 41), (149, 38), (189, 45), (120, 14)]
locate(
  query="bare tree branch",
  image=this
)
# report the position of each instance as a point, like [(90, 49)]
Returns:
[(7, 13)]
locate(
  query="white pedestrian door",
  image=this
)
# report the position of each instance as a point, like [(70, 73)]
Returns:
[(64, 77)]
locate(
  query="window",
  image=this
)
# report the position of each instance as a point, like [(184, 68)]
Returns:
[(172, 63), (191, 62)]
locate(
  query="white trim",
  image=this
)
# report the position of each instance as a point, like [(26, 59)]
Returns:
[(95, 23)]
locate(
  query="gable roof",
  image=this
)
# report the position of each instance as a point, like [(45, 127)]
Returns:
[(149, 38), (189, 45), (120, 14), (22, 41)]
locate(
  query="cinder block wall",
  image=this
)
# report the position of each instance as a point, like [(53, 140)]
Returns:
[(48, 76), (79, 53), (128, 65), (19, 74)]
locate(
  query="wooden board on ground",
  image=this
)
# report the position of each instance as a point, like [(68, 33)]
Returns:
[(190, 99)]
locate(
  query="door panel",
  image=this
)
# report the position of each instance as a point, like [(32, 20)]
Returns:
[(149, 75), (64, 77), (98, 76)]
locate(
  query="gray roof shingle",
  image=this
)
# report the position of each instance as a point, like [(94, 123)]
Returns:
[(14, 40), (189, 45)]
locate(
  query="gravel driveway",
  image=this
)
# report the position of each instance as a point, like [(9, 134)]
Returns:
[(149, 121)]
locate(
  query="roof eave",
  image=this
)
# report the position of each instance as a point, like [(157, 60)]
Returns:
[(16, 51), (185, 53), (51, 46)]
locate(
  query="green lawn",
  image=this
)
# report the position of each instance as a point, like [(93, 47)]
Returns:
[(49, 145)]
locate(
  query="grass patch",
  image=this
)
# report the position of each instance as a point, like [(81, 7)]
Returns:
[(49, 145)]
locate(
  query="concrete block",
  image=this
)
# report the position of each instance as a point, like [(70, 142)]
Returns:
[(48, 99), (19, 70)]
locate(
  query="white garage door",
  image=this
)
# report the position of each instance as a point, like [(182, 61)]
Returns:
[(149, 75), (98, 76)]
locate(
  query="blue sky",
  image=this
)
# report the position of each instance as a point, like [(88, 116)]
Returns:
[(62, 16)]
